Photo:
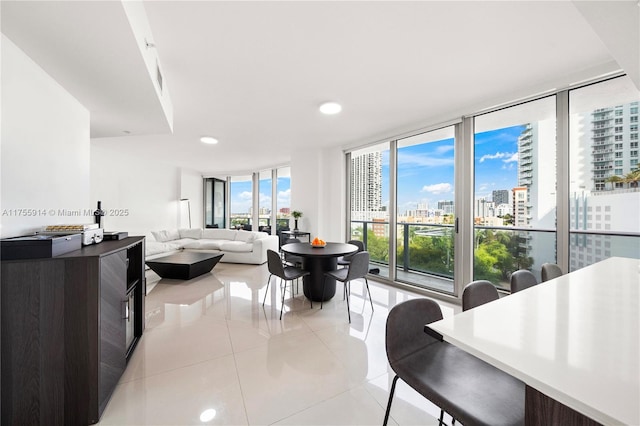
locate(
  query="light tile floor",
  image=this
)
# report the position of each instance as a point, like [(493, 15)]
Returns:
[(212, 354)]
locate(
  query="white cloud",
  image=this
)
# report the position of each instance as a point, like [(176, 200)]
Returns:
[(444, 149), (284, 198), (501, 155), (422, 160), (513, 158), (265, 200), (245, 195), (438, 188)]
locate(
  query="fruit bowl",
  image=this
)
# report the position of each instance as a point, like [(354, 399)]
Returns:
[(318, 243)]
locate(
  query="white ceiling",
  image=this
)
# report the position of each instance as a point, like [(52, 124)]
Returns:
[(253, 73)]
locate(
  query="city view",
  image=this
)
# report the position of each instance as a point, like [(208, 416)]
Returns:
[(241, 201), (514, 199)]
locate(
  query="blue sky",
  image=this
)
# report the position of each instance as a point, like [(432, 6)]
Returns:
[(241, 194), (496, 160), (425, 173)]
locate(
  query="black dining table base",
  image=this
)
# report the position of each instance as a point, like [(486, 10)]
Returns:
[(313, 282)]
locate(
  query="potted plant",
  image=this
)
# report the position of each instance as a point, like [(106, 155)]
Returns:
[(296, 215)]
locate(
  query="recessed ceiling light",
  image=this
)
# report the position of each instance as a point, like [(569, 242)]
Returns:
[(208, 139), (330, 108)]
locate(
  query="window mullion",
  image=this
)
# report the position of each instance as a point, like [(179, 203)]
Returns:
[(562, 180)]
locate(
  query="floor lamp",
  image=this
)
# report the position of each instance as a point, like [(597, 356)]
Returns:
[(188, 208)]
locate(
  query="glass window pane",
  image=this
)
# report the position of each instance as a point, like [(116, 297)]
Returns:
[(425, 196), (604, 193), (264, 209), (214, 203), (515, 187), (208, 202), (369, 202), (283, 200), (241, 195)]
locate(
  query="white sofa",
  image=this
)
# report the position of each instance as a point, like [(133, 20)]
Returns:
[(237, 246)]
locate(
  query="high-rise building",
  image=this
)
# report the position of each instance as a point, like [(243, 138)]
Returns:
[(500, 196), (520, 216), (366, 186), (607, 211), (536, 173), (447, 207), (603, 202), (484, 208), (503, 210), (614, 143)]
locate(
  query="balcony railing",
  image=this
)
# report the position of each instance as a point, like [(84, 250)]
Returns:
[(425, 252), (243, 221)]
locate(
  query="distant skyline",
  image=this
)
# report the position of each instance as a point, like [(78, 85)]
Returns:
[(425, 173)]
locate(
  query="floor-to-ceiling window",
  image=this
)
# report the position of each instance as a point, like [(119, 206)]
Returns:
[(553, 179), (515, 190), (425, 209), (369, 201), (283, 200), (214, 202), (604, 193), (241, 202), (264, 201)]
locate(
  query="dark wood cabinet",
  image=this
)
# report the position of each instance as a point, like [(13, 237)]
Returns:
[(64, 329), (113, 317)]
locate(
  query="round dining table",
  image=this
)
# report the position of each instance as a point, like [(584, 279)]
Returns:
[(318, 260)]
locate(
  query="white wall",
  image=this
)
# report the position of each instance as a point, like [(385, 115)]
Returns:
[(144, 192), (317, 189), (191, 187), (44, 148)]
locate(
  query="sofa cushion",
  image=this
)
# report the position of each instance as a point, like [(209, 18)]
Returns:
[(155, 247), (205, 244), (195, 233), (245, 236), (166, 235), (182, 242), (219, 234), (236, 246)]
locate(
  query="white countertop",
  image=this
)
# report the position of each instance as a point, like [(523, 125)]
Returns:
[(574, 338)]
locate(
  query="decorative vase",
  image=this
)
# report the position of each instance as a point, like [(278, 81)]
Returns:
[(295, 228)]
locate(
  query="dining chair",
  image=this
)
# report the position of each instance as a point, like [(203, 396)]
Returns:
[(470, 390), (346, 259), (478, 293), (292, 259), (358, 268), (550, 271), (285, 273), (521, 280)]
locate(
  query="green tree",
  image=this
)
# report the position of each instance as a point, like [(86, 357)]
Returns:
[(507, 220), (378, 247)]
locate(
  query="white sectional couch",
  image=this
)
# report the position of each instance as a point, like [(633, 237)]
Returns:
[(237, 246)]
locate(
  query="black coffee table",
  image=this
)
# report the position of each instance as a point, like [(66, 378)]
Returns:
[(184, 265)]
